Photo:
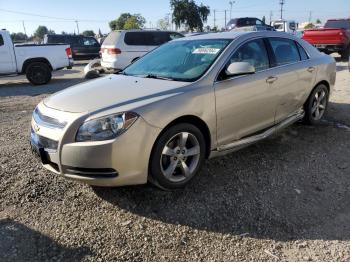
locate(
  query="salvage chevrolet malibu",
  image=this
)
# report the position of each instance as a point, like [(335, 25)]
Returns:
[(190, 99)]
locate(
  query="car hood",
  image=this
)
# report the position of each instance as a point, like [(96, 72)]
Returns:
[(112, 90)]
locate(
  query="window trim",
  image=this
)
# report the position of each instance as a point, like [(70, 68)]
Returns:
[(231, 54), (300, 46)]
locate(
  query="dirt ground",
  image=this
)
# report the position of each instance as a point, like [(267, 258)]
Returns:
[(284, 199)]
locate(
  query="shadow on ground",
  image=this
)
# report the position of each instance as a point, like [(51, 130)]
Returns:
[(20, 243), (294, 185)]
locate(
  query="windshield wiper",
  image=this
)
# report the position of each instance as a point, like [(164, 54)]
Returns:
[(156, 77)]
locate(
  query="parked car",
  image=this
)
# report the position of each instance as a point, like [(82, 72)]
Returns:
[(121, 48), (188, 100), (334, 37), (248, 22), (82, 46), (287, 26), (35, 61)]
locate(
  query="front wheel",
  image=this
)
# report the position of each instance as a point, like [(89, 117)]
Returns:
[(177, 156), (316, 105)]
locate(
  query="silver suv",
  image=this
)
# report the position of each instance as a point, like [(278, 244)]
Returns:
[(121, 48)]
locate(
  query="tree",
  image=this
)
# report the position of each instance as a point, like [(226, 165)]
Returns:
[(19, 37), (309, 26), (264, 19), (88, 33), (127, 21), (41, 31), (188, 13), (318, 21), (163, 24)]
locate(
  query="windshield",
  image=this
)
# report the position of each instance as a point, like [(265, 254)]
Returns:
[(338, 24), (185, 60)]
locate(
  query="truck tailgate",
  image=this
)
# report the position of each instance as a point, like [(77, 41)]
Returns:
[(323, 36)]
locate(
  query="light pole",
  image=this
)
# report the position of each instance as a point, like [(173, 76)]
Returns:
[(231, 4)]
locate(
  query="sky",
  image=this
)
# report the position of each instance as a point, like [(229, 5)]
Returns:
[(60, 15)]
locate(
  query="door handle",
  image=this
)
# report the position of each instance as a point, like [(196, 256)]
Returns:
[(311, 69), (271, 79)]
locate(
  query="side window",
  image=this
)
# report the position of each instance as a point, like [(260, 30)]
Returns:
[(258, 22), (138, 38), (253, 52), (303, 54), (159, 38), (285, 51), (1, 40), (173, 36)]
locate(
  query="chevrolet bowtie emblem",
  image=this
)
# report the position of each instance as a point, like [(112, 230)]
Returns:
[(36, 127)]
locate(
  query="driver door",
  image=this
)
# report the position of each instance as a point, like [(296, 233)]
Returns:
[(245, 104)]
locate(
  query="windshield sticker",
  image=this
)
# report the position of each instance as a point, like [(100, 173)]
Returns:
[(206, 50)]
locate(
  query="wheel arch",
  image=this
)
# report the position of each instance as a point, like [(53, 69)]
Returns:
[(322, 82), (32, 60), (193, 120)]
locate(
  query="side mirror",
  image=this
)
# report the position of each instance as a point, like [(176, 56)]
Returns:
[(240, 68)]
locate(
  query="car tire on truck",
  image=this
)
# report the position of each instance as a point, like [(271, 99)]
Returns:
[(38, 73)]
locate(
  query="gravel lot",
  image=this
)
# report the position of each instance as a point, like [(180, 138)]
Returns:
[(286, 198)]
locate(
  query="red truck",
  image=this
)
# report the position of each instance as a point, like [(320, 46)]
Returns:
[(333, 38)]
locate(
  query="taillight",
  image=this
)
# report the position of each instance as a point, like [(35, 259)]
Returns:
[(69, 52), (114, 51)]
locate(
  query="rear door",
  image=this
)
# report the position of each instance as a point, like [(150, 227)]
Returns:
[(245, 104), (7, 59), (293, 75)]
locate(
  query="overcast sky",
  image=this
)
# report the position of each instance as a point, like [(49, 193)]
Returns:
[(60, 15)]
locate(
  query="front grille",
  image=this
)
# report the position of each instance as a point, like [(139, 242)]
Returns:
[(47, 121)]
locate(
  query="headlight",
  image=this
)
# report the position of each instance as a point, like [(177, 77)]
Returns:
[(105, 128)]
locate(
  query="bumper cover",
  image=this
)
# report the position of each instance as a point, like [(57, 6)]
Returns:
[(118, 162)]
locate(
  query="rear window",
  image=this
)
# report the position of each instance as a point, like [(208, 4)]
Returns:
[(112, 38), (149, 38), (246, 22), (1, 40), (56, 39), (285, 51), (338, 24)]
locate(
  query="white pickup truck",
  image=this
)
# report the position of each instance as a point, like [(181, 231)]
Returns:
[(35, 61)]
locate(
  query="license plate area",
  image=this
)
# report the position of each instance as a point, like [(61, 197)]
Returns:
[(320, 46)]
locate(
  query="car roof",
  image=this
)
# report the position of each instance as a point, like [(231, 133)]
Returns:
[(235, 35), (146, 30)]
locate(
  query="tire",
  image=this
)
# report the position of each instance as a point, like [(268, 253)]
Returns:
[(345, 54), (174, 163), (38, 73), (316, 105)]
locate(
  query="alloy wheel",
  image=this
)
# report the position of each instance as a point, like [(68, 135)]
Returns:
[(180, 157), (319, 104)]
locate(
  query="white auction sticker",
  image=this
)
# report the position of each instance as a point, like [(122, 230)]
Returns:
[(206, 50)]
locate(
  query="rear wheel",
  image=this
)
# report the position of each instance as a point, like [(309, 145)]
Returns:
[(316, 105), (177, 156), (38, 73), (345, 54)]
